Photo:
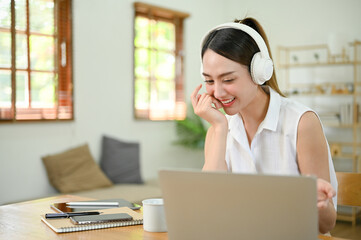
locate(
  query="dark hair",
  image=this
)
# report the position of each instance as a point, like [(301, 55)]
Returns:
[(238, 46)]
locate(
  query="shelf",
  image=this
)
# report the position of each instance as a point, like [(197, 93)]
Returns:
[(317, 56), (308, 84), (358, 125), (343, 156), (321, 64), (323, 94), (335, 96), (347, 144), (332, 83)]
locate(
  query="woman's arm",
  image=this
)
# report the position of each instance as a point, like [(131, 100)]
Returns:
[(312, 155), (215, 149), (215, 144)]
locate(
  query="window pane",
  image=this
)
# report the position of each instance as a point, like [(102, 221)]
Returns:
[(41, 16), (22, 89), (5, 88), (42, 90), (5, 13), (37, 94), (142, 62), (5, 95), (21, 51), (20, 13), (142, 93), (42, 53), (153, 33), (165, 66), (5, 49), (141, 32), (166, 93), (165, 36), (157, 65)]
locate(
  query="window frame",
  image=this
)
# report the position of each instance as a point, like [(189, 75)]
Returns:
[(63, 108), (177, 18)]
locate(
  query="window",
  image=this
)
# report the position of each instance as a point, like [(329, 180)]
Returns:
[(158, 63), (35, 60)]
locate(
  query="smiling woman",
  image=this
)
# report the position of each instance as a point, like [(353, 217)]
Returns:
[(36, 60), (262, 132)]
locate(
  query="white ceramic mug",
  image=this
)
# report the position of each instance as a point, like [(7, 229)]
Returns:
[(153, 215)]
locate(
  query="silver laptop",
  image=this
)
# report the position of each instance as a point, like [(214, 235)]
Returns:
[(224, 206)]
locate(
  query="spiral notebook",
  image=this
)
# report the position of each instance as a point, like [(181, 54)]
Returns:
[(64, 225)]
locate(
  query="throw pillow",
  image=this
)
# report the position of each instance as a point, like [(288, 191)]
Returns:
[(120, 161), (74, 170)]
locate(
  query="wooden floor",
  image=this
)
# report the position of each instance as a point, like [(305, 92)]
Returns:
[(345, 230)]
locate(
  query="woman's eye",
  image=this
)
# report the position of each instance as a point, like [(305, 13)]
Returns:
[(208, 81), (228, 80)]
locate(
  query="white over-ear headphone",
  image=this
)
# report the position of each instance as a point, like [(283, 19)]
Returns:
[(261, 64)]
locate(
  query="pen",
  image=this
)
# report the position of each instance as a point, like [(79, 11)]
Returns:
[(93, 203), (67, 215)]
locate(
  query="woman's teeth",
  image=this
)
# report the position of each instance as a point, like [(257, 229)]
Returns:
[(228, 101)]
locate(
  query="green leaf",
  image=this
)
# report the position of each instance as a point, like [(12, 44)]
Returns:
[(191, 132)]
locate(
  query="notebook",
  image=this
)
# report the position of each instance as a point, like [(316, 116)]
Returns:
[(214, 205), (64, 225)]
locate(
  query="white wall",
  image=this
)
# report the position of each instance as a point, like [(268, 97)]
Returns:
[(103, 81), (292, 22), (103, 100)]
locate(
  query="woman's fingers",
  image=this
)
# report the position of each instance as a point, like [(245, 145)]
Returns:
[(194, 95), (322, 199), (325, 192), (198, 98), (196, 90), (216, 103), (325, 187), (322, 204), (203, 107), (204, 101), (321, 196)]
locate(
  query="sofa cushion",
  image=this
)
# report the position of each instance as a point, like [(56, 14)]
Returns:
[(74, 170), (120, 160)]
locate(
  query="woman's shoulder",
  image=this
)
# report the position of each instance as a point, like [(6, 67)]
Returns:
[(309, 121), (306, 117), (291, 106), (284, 104)]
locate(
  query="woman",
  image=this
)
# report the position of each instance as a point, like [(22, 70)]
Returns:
[(262, 131)]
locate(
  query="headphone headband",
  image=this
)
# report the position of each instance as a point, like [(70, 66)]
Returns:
[(247, 29), (261, 66)]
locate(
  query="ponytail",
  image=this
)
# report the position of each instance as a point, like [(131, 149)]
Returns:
[(253, 23)]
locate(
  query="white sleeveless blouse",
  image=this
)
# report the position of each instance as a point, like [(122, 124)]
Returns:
[(273, 148)]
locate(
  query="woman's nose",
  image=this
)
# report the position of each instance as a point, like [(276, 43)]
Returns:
[(218, 91)]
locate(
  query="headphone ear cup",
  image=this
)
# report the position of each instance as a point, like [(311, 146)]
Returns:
[(255, 68), (261, 69)]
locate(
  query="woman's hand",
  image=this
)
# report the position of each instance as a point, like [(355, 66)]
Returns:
[(202, 105), (325, 193)]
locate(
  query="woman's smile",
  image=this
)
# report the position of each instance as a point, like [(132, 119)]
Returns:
[(228, 102)]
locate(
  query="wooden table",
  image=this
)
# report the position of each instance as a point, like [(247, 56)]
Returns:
[(22, 221)]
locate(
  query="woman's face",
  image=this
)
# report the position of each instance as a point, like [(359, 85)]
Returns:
[(228, 81)]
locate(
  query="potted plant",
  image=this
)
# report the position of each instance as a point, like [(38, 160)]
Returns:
[(191, 131)]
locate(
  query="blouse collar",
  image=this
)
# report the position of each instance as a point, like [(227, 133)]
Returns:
[(270, 121)]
